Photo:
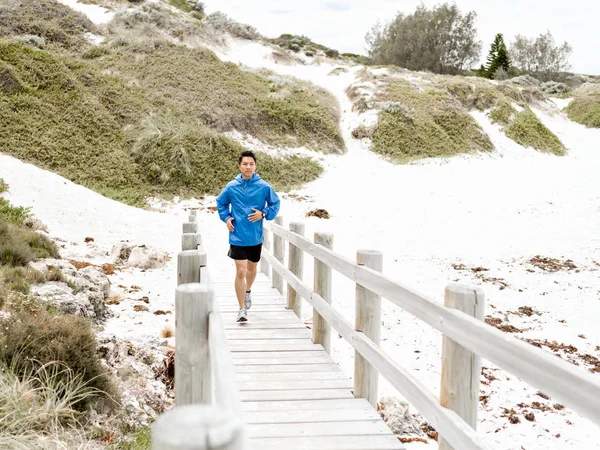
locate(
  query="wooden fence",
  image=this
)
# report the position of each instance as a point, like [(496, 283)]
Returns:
[(207, 414), (466, 337)]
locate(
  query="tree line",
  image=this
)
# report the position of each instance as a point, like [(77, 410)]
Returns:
[(444, 40)]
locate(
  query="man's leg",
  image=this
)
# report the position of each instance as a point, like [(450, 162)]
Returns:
[(240, 280), (250, 274)]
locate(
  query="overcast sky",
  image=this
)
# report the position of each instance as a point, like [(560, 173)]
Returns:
[(342, 24)]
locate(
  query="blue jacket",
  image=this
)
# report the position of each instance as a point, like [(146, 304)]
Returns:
[(237, 200)]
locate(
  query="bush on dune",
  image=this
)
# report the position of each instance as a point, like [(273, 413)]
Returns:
[(585, 106)]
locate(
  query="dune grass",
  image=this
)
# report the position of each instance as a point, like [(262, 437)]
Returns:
[(424, 124), (585, 106), (56, 23), (431, 118), (87, 121)]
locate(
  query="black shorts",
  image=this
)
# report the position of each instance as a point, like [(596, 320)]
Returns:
[(251, 253)]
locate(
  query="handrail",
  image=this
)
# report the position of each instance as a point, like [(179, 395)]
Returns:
[(202, 361), (226, 390), (446, 421), (570, 384)]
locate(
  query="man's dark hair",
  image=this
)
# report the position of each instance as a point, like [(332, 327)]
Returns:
[(247, 153)]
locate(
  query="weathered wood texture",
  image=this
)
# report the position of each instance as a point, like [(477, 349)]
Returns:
[(279, 254), (193, 303), (368, 322), (265, 267), (198, 427), (461, 368), (295, 265), (189, 263), (322, 286)]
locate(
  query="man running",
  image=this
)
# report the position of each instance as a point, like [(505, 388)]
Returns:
[(243, 205)]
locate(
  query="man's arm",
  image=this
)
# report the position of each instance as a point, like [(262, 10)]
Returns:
[(223, 203), (273, 204)]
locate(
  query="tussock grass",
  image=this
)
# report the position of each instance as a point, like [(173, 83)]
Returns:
[(424, 124), (585, 106), (33, 337), (37, 406), (19, 245)]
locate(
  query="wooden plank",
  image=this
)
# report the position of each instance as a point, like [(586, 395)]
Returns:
[(281, 430), (287, 368), (309, 415), (571, 385), (271, 361), (266, 334), (265, 308), (273, 345), (283, 354), (305, 394), (255, 325), (302, 405), (270, 385), (287, 376), (328, 443)]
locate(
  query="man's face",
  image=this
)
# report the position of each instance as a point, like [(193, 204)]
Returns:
[(247, 166)]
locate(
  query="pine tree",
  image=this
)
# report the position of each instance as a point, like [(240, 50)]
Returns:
[(497, 57)]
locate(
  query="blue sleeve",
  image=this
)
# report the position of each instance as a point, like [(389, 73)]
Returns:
[(272, 204), (223, 203)]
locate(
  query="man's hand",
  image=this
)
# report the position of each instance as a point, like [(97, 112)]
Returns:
[(255, 216), (230, 224)]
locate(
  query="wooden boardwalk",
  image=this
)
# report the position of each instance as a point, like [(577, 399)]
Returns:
[(294, 396)]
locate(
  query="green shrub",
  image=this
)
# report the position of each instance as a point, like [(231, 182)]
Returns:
[(96, 51), (524, 128), (55, 23), (19, 246), (3, 186), (183, 5), (138, 440), (13, 214), (423, 125), (527, 130), (30, 339), (585, 106), (502, 114), (20, 278)]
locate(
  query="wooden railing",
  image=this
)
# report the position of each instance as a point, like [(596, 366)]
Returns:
[(466, 337), (207, 414)]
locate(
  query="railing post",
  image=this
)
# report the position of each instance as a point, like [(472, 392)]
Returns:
[(295, 264), (188, 266), (461, 368), (279, 254), (190, 241), (322, 286), (193, 376), (198, 427), (190, 227), (367, 321), (192, 219), (265, 267)]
